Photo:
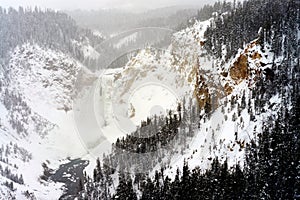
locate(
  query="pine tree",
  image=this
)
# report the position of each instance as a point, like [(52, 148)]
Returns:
[(148, 190), (125, 189)]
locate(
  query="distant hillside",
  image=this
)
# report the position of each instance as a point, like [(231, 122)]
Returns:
[(47, 28), (115, 21)]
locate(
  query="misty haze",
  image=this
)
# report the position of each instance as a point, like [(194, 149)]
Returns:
[(140, 100)]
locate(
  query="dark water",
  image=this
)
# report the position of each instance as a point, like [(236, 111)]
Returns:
[(75, 169)]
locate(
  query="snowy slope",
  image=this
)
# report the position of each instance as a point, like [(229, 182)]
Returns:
[(225, 133), (37, 124), (191, 73), (126, 96), (134, 87), (152, 82)]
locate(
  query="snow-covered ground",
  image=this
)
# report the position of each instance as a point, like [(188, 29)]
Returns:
[(52, 118), (37, 124)]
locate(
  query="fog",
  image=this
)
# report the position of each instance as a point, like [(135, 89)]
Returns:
[(130, 5)]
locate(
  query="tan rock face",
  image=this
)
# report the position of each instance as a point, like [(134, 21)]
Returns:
[(202, 43), (225, 74), (228, 89), (201, 91), (239, 71), (206, 96), (256, 55), (203, 96), (246, 66)]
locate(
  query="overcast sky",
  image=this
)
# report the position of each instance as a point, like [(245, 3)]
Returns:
[(98, 4)]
